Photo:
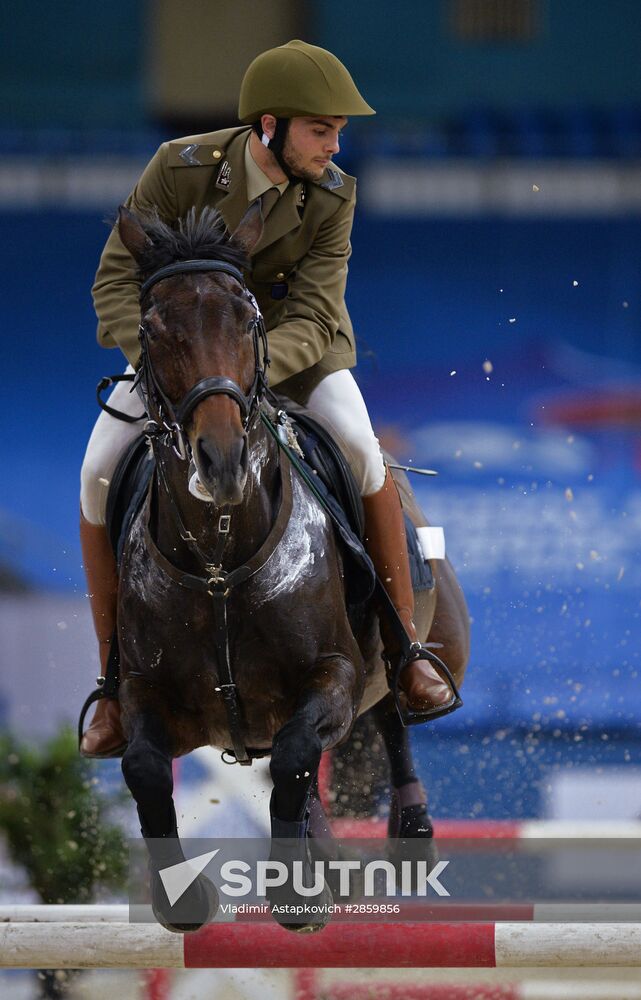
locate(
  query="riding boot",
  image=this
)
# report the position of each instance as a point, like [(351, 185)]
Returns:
[(104, 737), (386, 543)]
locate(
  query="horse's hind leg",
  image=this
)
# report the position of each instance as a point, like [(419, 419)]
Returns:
[(147, 769), (408, 817)]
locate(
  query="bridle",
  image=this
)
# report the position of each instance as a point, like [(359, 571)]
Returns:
[(170, 427)]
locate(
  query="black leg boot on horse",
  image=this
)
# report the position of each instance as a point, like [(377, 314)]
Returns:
[(409, 820), (104, 737), (425, 681), (295, 758)]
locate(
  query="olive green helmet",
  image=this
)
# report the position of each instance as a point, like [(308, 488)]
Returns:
[(298, 79)]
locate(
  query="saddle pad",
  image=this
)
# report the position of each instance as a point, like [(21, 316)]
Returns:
[(422, 576), (127, 492), (324, 455)]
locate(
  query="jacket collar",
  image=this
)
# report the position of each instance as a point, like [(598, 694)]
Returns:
[(283, 218)]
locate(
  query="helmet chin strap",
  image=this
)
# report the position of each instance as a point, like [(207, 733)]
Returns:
[(276, 145)]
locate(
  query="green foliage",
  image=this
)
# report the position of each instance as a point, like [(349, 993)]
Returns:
[(56, 820)]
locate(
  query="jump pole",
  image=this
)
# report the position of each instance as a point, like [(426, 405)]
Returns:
[(411, 912), (116, 945)]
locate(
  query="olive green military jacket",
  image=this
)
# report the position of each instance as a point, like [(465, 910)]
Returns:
[(297, 272)]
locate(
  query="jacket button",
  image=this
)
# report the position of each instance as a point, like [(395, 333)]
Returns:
[(216, 154)]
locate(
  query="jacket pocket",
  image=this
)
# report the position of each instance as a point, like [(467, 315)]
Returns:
[(273, 277)]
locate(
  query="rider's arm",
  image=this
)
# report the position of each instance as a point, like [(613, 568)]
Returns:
[(116, 290), (306, 331)]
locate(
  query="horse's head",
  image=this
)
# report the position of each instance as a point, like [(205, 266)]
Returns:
[(200, 332)]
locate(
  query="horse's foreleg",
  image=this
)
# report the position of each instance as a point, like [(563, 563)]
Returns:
[(147, 769), (296, 753), (146, 766), (325, 711)]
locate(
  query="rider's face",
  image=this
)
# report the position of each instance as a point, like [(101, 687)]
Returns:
[(310, 144)]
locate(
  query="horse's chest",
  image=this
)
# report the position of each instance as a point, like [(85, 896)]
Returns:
[(300, 564), (300, 574)]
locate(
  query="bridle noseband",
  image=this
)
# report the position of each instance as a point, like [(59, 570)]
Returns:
[(173, 419)]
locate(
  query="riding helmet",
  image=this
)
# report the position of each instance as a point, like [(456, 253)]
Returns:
[(298, 79)]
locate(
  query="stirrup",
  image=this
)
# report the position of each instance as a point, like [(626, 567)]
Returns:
[(97, 695), (106, 687), (410, 716)]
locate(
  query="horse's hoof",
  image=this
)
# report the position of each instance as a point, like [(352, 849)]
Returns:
[(319, 914), (195, 908), (303, 928)]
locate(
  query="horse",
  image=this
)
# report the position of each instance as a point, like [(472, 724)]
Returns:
[(232, 622)]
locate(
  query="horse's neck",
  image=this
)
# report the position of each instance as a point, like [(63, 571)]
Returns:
[(251, 520)]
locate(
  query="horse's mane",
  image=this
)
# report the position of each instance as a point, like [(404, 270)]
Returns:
[(197, 237)]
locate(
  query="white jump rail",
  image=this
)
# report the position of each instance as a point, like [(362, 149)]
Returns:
[(109, 943), (65, 913), (411, 911)]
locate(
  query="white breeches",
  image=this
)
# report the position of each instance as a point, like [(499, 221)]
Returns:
[(109, 439), (337, 399)]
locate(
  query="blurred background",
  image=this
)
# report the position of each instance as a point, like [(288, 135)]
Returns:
[(495, 290)]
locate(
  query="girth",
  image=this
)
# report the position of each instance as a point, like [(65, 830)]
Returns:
[(218, 584)]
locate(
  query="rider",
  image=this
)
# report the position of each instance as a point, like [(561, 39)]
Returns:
[(294, 101)]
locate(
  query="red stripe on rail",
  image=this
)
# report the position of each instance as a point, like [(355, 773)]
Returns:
[(344, 946), (418, 991), (482, 829)]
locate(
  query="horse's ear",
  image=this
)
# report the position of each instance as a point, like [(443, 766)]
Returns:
[(250, 229), (131, 233)]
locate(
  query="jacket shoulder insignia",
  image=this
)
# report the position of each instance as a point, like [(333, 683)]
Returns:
[(337, 182), (194, 154), (333, 181)]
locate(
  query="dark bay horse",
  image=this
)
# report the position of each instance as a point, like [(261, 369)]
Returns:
[(232, 621)]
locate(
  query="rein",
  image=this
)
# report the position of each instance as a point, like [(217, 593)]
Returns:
[(216, 582)]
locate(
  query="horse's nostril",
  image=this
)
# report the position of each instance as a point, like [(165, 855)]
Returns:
[(244, 456), (215, 464), (207, 455)]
